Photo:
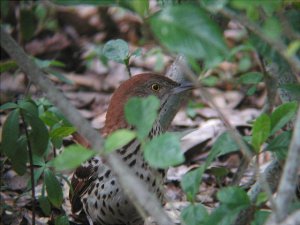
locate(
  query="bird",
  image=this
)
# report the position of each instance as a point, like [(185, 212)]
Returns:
[(97, 197)]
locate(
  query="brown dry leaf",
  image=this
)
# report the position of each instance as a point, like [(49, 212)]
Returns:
[(91, 81), (55, 43)]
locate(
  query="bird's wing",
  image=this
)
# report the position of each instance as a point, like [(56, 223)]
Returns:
[(81, 181)]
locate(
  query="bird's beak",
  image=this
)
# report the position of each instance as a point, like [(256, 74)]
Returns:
[(184, 86)]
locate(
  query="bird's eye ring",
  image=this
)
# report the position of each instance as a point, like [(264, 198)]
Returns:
[(155, 87)]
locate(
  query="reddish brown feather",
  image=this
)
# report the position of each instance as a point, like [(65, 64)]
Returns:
[(115, 119)]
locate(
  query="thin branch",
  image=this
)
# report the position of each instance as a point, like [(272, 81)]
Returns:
[(135, 188), (288, 182), (293, 219), (31, 168), (207, 97), (272, 175), (233, 133), (277, 45)]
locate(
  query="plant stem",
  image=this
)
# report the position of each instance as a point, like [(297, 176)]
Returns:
[(31, 168), (126, 62), (277, 45)]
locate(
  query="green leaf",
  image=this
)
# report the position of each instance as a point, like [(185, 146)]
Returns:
[(72, 157), (37, 174), (260, 217), (260, 131), (10, 133), (59, 76), (44, 64), (141, 7), (137, 52), (29, 107), (261, 198), (194, 214), (233, 197), (210, 81), (214, 5), (116, 50), (8, 65), (292, 48), (163, 151), (187, 29), (272, 28), (20, 157), (245, 63), (219, 172), (225, 144), (191, 181), (39, 136), (8, 105), (141, 113), (45, 205), (251, 90), (62, 131), (251, 78), (50, 118), (118, 139), (28, 23), (280, 144), (61, 220), (53, 188), (282, 115)]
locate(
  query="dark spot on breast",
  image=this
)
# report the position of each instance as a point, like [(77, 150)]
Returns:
[(112, 182), (128, 156), (102, 186), (102, 211), (107, 173), (153, 183), (142, 176), (111, 210), (120, 212), (100, 178), (123, 151), (132, 163), (136, 150), (96, 204), (101, 220)]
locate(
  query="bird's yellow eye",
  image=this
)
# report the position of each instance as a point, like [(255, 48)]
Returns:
[(155, 87)]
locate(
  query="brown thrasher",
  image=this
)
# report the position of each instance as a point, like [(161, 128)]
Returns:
[(97, 194)]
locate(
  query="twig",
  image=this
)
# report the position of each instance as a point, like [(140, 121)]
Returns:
[(288, 182), (135, 188), (272, 175), (233, 133), (277, 45), (293, 219), (206, 95), (31, 168)]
